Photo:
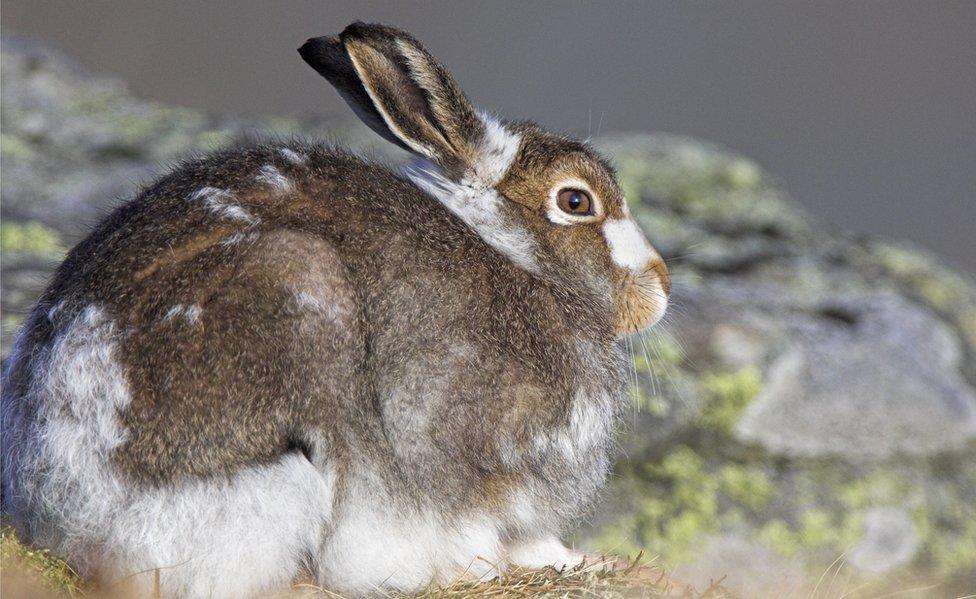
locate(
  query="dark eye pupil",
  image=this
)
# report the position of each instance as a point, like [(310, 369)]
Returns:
[(574, 201)]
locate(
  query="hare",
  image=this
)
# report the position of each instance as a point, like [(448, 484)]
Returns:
[(284, 358)]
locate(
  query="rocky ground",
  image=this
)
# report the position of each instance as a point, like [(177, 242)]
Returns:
[(808, 412)]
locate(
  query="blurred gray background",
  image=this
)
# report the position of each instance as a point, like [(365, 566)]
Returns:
[(867, 110)]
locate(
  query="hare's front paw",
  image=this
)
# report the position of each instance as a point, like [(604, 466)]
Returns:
[(542, 553)]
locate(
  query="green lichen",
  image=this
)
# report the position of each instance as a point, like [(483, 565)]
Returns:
[(658, 363), (748, 486), (214, 138), (681, 502), (726, 395), (94, 102), (879, 487), (678, 505), (967, 323), (11, 322), (776, 533), (32, 238), (743, 175), (14, 148), (949, 519), (942, 290)]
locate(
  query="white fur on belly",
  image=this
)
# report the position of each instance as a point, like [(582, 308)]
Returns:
[(380, 543)]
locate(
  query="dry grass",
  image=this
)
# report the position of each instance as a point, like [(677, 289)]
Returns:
[(28, 572), (603, 578)]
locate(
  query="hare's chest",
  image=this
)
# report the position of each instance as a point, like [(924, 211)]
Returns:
[(585, 434)]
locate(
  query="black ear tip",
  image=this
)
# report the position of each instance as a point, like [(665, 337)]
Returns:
[(321, 52)]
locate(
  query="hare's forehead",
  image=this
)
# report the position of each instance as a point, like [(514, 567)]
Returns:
[(547, 163)]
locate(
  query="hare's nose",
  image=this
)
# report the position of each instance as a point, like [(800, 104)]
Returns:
[(661, 270)]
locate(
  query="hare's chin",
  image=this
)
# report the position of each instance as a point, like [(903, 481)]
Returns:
[(642, 304)]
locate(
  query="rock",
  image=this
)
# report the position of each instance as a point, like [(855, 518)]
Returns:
[(874, 377), (890, 540), (819, 377)]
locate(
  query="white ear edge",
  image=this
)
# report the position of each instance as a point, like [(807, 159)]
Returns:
[(390, 123)]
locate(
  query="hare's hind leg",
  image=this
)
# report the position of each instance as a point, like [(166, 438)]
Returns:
[(224, 535), (234, 536), (379, 541)]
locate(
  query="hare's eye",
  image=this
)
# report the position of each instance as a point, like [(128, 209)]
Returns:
[(574, 201)]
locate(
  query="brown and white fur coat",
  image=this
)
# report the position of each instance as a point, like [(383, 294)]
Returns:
[(284, 356)]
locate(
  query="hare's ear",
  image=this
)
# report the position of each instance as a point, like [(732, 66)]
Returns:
[(402, 92)]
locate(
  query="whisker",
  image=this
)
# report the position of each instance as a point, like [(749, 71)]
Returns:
[(650, 365), (635, 389)]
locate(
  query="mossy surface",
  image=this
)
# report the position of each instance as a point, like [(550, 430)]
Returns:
[(32, 238)]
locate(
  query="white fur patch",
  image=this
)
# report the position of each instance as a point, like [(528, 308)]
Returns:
[(220, 203), (240, 237), (233, 536), (272, 177), (292, 156), (475, 201), (335, 310), (53, 312), (590, 425), (378, 543), (591, 421), (542, 553), (495, 156), (191, 312), (628, 247)]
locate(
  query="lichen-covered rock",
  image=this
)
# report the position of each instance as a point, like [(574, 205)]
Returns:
[(875, 376), (810, 396), (824, 382)]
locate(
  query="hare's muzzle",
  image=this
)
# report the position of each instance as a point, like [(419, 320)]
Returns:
[(644, 297), (645, 284)]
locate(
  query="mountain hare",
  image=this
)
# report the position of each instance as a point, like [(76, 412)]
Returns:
[(284, 356)]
